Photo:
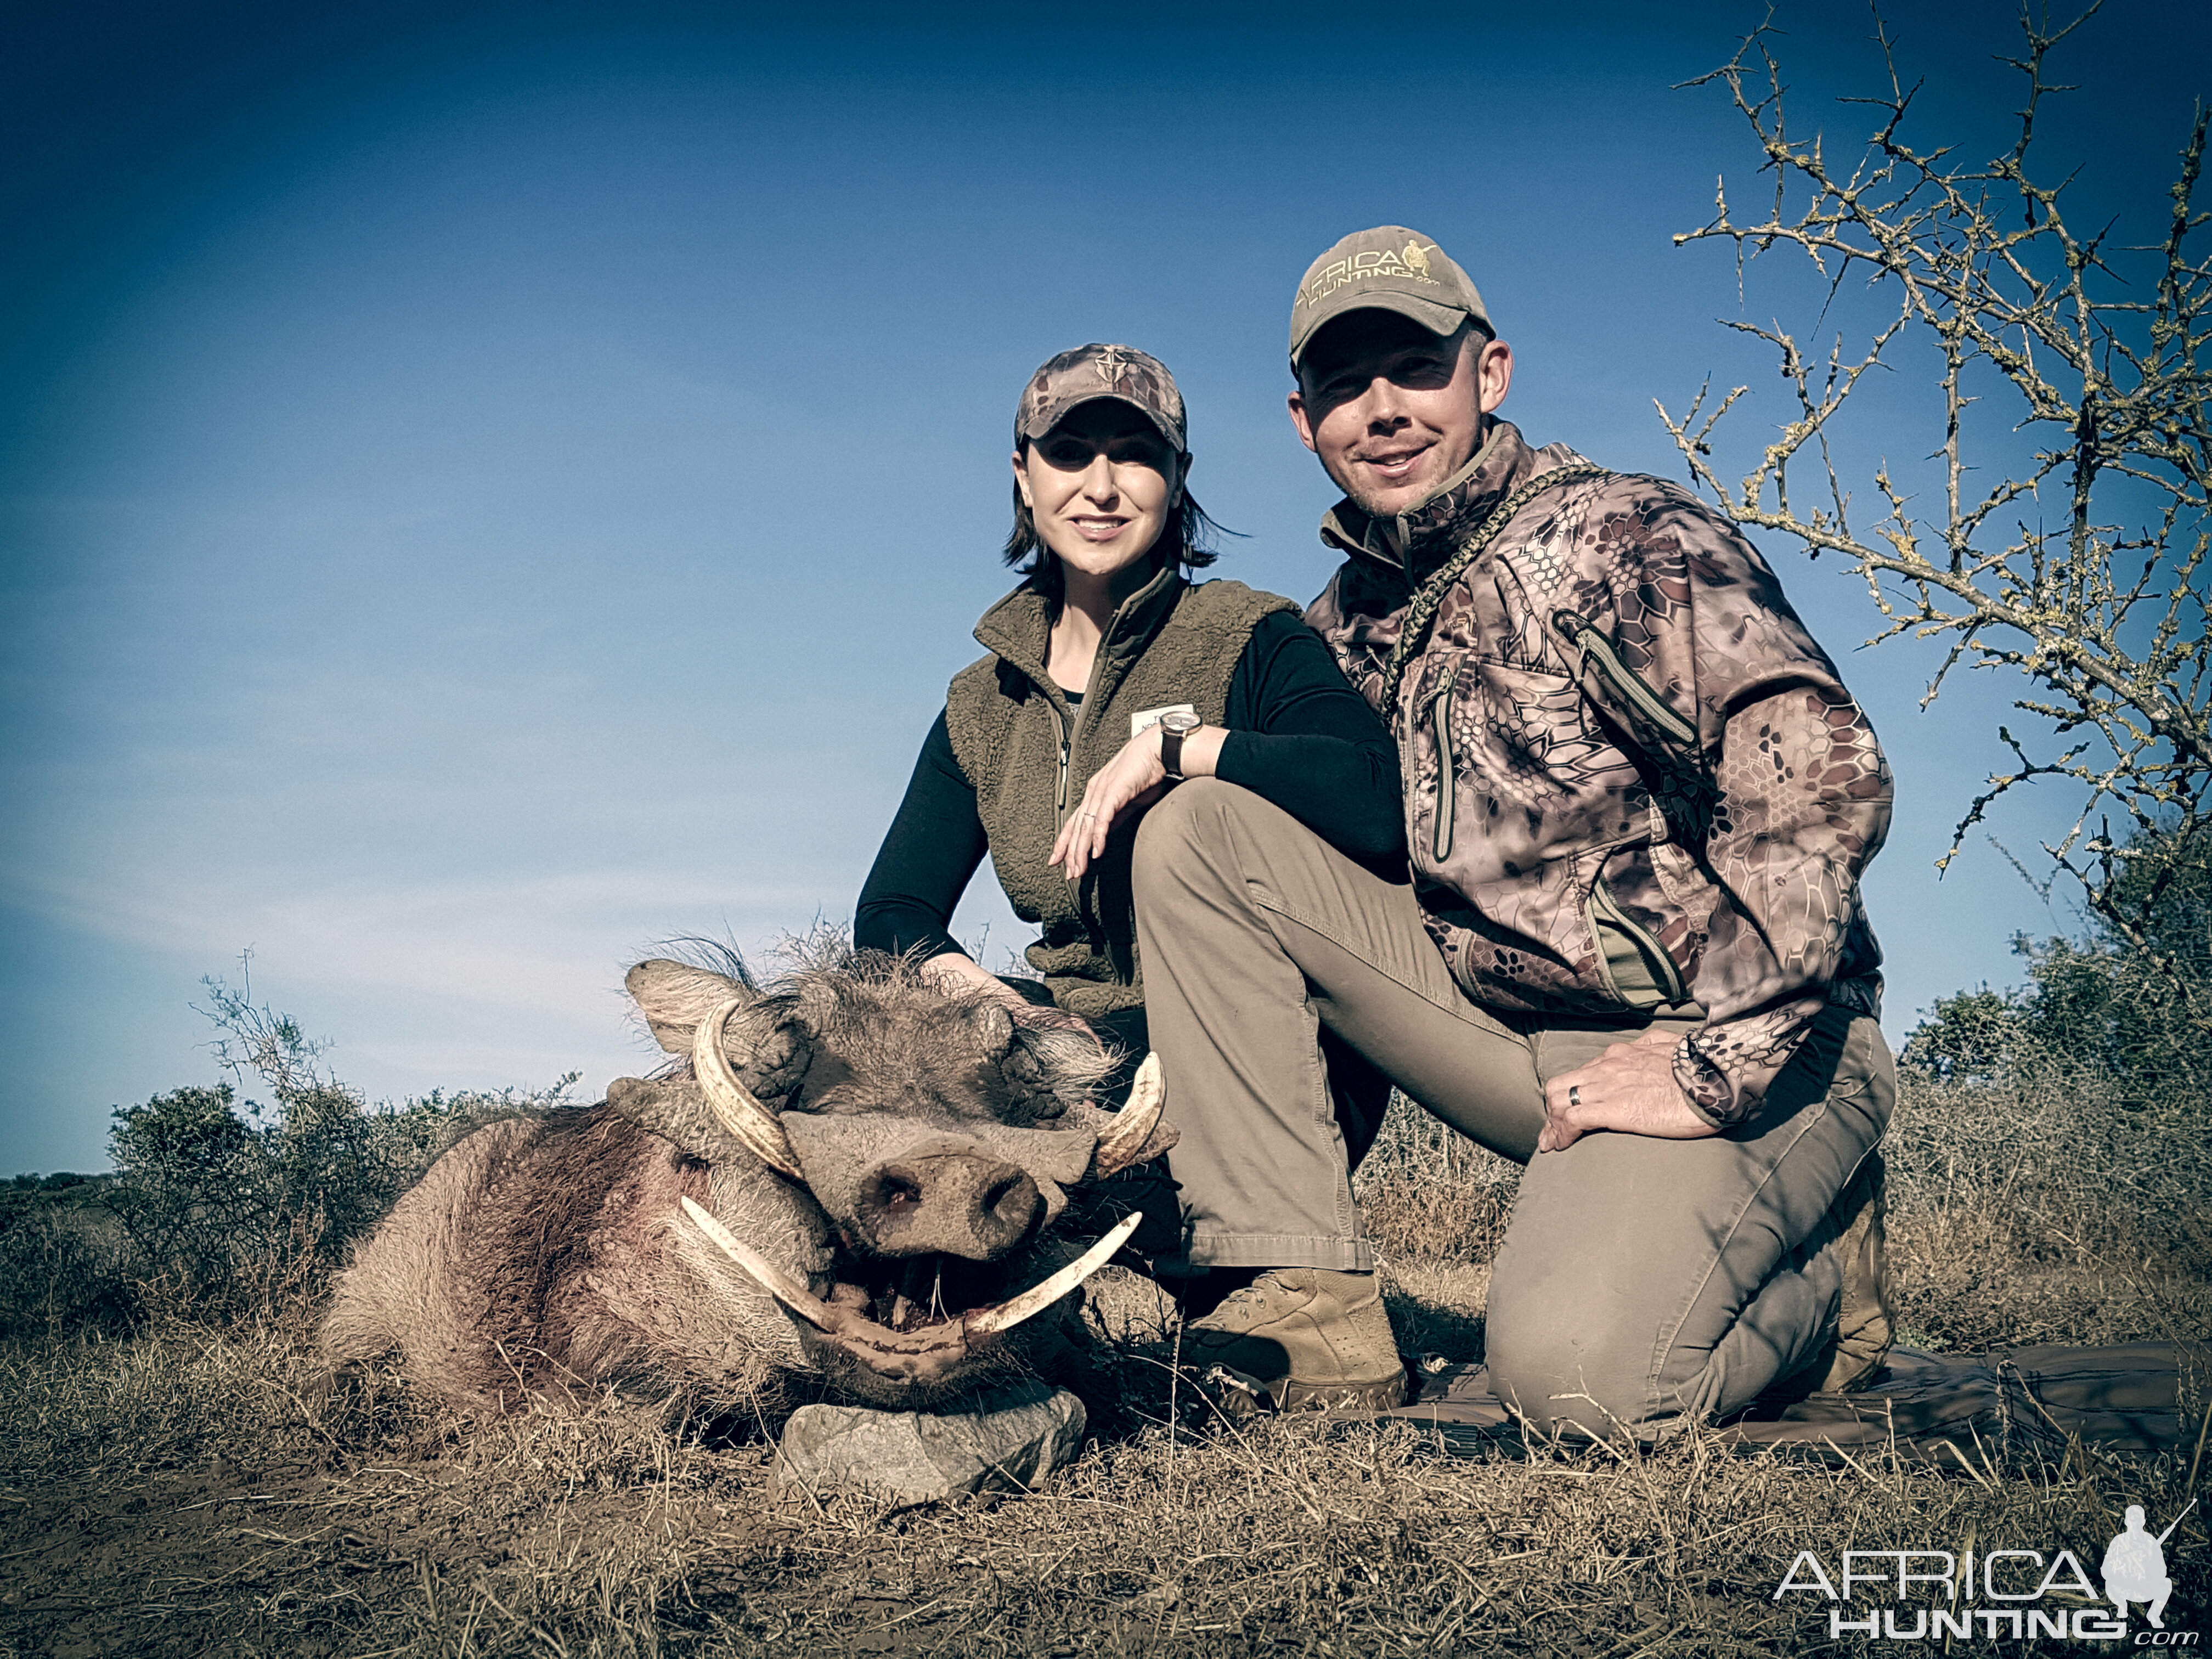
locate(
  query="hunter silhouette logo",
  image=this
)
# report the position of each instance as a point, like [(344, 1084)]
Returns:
[(2135, 1566), (1416, 256)]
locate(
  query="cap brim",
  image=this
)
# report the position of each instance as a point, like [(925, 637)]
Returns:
[(1437, 318), (1052, 414)]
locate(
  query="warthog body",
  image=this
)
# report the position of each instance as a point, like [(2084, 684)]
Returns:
[(884, 1159)]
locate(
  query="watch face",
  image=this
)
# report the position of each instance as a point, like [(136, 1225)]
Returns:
[(1180, 723)]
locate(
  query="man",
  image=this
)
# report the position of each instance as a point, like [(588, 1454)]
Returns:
[(2135, 1569), (1630, 953)]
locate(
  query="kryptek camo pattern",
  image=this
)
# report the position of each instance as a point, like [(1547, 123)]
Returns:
[(1617, 717)]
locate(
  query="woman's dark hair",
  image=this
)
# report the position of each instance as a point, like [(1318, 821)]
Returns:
[(1187, 529)]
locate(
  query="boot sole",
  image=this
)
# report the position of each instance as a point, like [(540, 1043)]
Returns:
[(1239, 1396)]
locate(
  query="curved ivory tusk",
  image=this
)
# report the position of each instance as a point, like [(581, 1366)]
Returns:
[(772, 1278), (749, 1123), (1036, 1299), (1132, 1126)]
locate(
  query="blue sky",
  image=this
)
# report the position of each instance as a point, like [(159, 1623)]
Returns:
[(484, 488)]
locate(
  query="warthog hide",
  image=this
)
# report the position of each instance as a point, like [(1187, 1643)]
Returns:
[(883, 1158)]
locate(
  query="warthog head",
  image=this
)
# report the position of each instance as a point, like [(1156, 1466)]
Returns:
[(930, 1139)]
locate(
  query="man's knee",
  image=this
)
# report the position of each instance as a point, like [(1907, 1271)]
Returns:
[(1187, 822), (1561, 1373)]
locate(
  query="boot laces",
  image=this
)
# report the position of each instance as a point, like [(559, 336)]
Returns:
[(1256, 1304)]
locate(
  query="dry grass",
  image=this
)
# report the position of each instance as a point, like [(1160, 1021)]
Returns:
[(2040, 1211), (185, 1491), (1427, 1192)]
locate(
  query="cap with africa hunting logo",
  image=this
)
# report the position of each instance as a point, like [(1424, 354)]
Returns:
[(1389, 267), (1101, 371)]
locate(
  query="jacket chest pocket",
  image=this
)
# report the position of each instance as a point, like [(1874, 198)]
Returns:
[(1429, 739), (1440, 729), (1503, 769)]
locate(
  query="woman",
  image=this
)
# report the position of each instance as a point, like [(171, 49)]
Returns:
[(1110, 677)]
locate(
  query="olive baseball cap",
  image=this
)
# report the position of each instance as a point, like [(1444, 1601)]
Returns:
[(1120, 372), (1389, 267)]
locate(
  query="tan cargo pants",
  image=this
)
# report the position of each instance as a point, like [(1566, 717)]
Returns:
[(1641, 1281)]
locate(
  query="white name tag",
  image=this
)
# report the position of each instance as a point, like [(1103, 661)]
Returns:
[(1146, 717)]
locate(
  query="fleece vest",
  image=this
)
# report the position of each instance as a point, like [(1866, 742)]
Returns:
[(1029, 755)]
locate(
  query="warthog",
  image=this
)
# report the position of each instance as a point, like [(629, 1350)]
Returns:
[(883, 1160)]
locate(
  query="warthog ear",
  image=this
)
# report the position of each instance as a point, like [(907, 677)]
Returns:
[(676, 1111), (1053, 1069), (674, 997)]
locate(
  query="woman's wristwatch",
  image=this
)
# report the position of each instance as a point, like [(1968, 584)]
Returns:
[(1174, 728)]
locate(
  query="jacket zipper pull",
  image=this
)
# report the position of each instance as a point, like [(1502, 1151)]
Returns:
[(1060, 786), (1573, 628)]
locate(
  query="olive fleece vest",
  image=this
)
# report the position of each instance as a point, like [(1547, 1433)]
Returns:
[(1029, 757)]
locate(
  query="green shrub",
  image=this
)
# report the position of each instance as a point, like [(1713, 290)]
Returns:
[(59, 1181), (62, 1256), (2131, 1018), (216, 1202)]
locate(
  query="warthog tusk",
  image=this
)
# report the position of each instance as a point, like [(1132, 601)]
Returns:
[(1036, 1299), (773, 1279), (750, 1124), (1132, 1126), (985, 1321)]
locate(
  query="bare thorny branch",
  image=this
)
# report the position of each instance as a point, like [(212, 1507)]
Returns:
[(2106, 618)]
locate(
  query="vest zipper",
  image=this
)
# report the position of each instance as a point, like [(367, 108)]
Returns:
[(1603, 905), (1060, 789), (1588, 644), (1066, 731)]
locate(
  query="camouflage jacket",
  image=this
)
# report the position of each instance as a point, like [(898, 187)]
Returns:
[(1631, 777)]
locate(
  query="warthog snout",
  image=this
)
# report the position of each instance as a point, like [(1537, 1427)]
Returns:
[(955, 1200)]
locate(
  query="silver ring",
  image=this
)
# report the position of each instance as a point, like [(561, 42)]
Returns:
[(1575, 1095)]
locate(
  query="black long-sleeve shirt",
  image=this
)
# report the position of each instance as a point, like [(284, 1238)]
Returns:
[(1298, 736)]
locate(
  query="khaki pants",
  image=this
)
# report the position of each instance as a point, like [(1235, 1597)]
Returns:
[(1640, 1282)]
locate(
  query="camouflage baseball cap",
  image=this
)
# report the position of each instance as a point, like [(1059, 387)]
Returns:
[(1389, 267), (1101, 371)]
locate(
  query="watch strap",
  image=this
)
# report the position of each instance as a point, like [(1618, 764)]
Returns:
[(1172, 731)]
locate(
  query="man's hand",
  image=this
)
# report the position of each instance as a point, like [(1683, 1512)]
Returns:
[(1133, 778), (1629, 1088)]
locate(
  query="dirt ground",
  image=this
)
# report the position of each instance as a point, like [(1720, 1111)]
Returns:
[(299, 1561), (172, 1494)]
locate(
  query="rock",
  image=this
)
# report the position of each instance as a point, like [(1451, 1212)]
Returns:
[(1015, 1438)]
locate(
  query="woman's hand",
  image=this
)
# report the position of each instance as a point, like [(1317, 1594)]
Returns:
[(1133, 778), (953, 973), (1630, 1088)]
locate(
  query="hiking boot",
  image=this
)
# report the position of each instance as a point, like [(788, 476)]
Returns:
[(1197, 1295), (1300, 1339), (1865, 1321)]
